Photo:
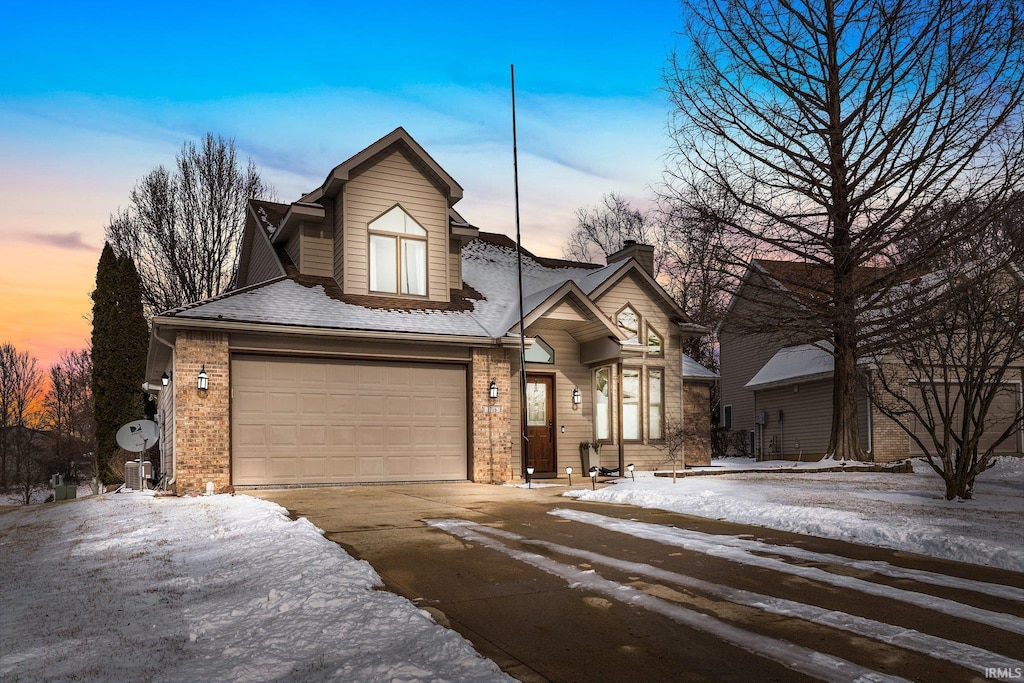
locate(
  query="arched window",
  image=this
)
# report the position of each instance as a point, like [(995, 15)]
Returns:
[(398, 253)]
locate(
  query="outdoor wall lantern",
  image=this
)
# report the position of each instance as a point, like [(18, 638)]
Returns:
[(593, 478), (576, 397), (492, 390), (165, 379), (203, 382), (529, 476), (630, 468), (568, 473)]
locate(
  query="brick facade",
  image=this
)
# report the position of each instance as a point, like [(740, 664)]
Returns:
[(697, 421), (202, 434), (490, 420)]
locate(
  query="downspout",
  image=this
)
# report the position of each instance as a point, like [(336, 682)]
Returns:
[(174, 422)]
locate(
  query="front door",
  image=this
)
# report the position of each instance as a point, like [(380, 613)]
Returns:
[(540, 422)]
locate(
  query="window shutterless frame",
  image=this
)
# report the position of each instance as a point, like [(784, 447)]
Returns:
[(399, 228), (627, 407), (656, 398)]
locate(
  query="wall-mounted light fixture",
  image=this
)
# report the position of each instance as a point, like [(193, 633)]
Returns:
[(492, 390), (165, 379), (203, 381), (576, 397)]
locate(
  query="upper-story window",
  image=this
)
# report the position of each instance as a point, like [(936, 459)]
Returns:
[(539, 352), (398, 254), (629, 322), (653, 342)]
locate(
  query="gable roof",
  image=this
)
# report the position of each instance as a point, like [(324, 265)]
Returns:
[(401, 139)]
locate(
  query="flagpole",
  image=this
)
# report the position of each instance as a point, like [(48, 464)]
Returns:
[(525, 449)]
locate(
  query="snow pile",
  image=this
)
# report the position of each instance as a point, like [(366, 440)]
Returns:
[(899, 511), (211, 588)]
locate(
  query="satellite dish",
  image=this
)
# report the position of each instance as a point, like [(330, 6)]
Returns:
[(137, 436)]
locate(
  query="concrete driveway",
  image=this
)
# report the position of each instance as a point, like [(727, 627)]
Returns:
[(563, 598)]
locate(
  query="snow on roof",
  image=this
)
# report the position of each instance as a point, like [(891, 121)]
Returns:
[(795, 364), (488, 267), (695, 370)]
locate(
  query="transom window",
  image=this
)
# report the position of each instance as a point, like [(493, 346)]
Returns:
[(540, 352), (398, 254), (629, 322)]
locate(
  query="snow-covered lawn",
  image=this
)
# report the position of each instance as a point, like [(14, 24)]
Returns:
[(900, 511), (222, 588)]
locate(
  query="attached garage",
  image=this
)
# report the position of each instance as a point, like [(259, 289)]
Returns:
[(318, 421)]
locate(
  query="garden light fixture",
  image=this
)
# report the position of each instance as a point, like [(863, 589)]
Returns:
[(630, 468), (593, 478), (568, 473), (529, 476)]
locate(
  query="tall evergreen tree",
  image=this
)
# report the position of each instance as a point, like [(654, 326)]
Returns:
[(120, 337)]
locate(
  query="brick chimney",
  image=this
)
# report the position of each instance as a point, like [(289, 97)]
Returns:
[(643, 253)]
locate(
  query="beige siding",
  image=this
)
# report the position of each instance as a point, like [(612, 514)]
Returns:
[(317, 249), (388, 180), (1000, 415), (806, 425), (166, 404), (337, 219), (455, 266), (327, 346), (645, 454), (263, 263)]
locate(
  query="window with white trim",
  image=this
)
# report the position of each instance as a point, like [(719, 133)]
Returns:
[(398, 254), (654, 343), (655, 403), (628, 321), (602, 404), (631, 404)]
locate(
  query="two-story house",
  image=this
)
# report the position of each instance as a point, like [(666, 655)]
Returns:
[(373, 335), (776, 386)]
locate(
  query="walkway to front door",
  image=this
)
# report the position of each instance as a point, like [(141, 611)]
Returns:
[(540, 423)]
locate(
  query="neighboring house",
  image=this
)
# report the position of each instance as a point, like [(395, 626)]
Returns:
[(372, 335), (776, 394)]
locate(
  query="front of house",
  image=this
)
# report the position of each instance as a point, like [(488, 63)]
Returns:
[(372, 335)]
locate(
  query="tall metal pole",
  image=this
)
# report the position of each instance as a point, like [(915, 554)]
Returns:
[(519, 264)]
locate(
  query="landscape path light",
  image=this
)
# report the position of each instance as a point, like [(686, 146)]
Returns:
[(630, 468), (593, 478), (203, 381), (529, 476), (568, 473)]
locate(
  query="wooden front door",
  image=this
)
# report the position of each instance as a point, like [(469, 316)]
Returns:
[(540, 422)]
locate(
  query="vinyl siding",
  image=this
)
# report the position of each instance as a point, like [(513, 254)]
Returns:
[(317, 249), (385, 181), (455, 266), (337, 219), (644, 454), (807, 419), (263, 264), (293, 247), (1000, 415)]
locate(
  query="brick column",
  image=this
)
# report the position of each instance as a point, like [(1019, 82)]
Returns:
[(697, 418), (490, 420), (202, 431)]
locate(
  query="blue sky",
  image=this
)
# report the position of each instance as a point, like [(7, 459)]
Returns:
[(91, 98)]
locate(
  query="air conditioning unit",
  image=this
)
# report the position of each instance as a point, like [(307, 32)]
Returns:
[(131, 473)]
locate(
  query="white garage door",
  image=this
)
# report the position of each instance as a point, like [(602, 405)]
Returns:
[(315, 421)]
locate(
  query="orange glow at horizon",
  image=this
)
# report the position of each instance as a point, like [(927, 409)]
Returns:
[(44, 298)]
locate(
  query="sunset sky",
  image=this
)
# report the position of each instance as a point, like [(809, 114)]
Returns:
[(92, 98)]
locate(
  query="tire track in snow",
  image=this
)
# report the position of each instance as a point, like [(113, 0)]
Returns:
[(795, 657), (710, 544), (969, 656)]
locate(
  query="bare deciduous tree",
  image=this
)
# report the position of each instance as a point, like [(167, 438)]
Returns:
[(69, 412), (23, 448), (602, 230), (828, 129), (183, 228), (948, 378)]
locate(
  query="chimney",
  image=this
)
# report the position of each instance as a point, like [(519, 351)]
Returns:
[(643, 253)]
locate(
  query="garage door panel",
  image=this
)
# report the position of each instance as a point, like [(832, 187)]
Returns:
[(323, 421)]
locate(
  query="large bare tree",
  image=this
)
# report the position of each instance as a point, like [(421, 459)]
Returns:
[(183, 227), (23, 448), (602, 230), (68, 413), (828, 128)]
